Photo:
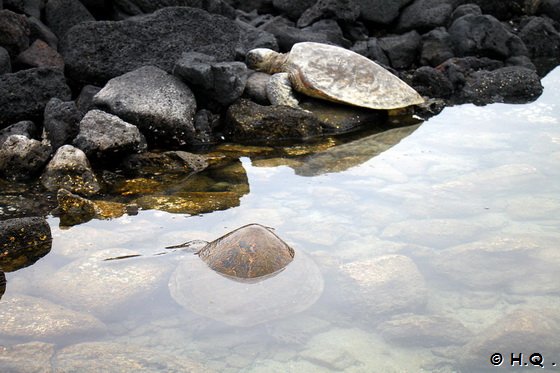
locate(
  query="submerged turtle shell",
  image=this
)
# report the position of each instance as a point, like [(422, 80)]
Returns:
[(290, 289), (247, 252), (337, 74)]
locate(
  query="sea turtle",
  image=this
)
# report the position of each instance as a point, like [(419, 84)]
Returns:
[(246, 277), (331, 73)]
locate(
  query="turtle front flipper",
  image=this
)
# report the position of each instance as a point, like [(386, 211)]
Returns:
[(280, 92)]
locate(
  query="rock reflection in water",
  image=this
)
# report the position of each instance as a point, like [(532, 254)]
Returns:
[(2, 284)]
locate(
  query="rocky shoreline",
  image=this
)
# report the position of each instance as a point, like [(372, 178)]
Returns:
[(115, 84)]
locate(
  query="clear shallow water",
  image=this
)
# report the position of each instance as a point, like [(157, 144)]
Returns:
[(435, 254)]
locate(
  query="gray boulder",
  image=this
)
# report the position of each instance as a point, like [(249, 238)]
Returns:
[(159, 104), (62, 15), (426, 14), (223, 82), (95, 52), (371, 49), (25, 128), (22, 158), (381, 11), (84, 101), (248, 122), (61, 122), (511, 84), (14, 32), (256, 87), (26, 93), (70, 169), (105, 136), (342, 10), (465, 9), (484, 35), (402, 50), (5, 62)]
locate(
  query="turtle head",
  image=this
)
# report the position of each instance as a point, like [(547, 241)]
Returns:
[(263, 59)]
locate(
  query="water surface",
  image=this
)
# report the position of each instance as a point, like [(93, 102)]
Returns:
[(435, 254)]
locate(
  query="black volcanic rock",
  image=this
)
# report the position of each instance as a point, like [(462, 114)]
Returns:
[(95, 52), (14, 32), (61, 122), (426, 14), (26, 93), (137, 7), (381, 11), (61, 15)]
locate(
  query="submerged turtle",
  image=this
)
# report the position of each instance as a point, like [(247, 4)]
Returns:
[(331, 73), (246, 277)]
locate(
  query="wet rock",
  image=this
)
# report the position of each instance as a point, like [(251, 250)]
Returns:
[(484, 35), (205, 124), (381, 11), (40, 31), (23, 241), (465, 9), (250, 122), (61, 122), (512, 334), (426, 14), (511, 84), (503, 262), (402, 50), (14, 32), (93, 357), (159, 104), (424, 331), (84, 101), (62, 15), (255, 88), (342, 10), (371, 49), (293, 9), (104, 136), (220, 81), (27, 93), (24, 128), (436, 47), (137, 7), (192, 203), (70, 169), (169, 162), (104, 286), (541, 38), (93, 52), (372, 285), (32, 357), (22, 158), (5, 62), (73, 209), (432, 83), (39, 54), (43, 320)]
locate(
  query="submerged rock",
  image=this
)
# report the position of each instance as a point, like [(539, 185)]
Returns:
[(94, 51), (105, 286), (44, 320), (70, 169), (23, 241), (373, 282), (159, 104), (169, 162), (93, 357), (27, 357)]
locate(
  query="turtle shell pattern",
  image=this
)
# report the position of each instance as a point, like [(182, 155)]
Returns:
[(340, 75), (248, 252)]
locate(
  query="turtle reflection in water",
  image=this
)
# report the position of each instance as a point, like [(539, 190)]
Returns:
[(246, 277)]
